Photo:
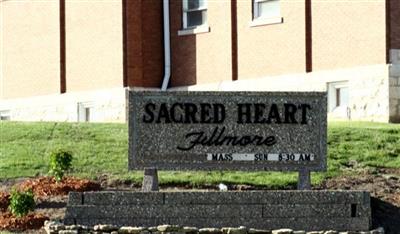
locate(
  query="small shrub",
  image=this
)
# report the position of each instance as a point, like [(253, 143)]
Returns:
[(21, 202), (60, 162)]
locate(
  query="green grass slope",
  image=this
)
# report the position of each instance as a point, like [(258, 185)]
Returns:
[(101, 149)]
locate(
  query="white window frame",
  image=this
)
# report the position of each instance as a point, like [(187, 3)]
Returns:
[(82, 111), (5, 115), (185, 10), (332, 95), (187, 30), (258, 20)]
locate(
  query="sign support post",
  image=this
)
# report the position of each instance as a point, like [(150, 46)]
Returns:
[(150, 179), (304, 181)]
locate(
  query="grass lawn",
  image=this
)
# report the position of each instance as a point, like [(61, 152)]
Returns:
[(102, 149)]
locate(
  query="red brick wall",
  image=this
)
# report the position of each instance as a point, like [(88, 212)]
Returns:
[(195, 59), (206, 57), (395, 24), (144, 42), (183, 50)]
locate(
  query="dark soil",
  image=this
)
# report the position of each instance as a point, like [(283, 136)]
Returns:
[(384, 186), (4, 201)]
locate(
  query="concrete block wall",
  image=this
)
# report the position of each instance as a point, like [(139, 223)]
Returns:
[(301, 210), (368, 89), (394, 85), (106, 106)]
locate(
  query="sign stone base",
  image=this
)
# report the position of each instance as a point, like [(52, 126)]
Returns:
[(299, 210)]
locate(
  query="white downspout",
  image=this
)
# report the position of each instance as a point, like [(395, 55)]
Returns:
[(167, 47)]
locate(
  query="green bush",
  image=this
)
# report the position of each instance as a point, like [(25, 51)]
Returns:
[(21, 202), (60, 162)]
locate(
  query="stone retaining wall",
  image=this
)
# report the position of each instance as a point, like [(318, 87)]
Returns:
[(54, 227), (299, 210)]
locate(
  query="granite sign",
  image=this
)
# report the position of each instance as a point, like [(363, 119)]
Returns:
[(227, 130)]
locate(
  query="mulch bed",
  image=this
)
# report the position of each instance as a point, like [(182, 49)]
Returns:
[(30, 221), (4, 201), (48, 186), (43, 188)]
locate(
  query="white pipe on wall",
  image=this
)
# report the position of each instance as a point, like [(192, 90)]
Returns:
[(167, 47)]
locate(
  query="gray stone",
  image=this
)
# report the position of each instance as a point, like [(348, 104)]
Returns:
[(167, 211), (282, 231), (172, 232), (121, 198), (75, 198), (105, 228), (190, 229), (267, 197), (331, 232), (51, 231), (299, 210), (168, 228), (210, 231), (86, 228), (73, 227), (307, 210), (68, 232), (135, 230), (299, 232), (152, 229), (168, 146), (52, 227), (259, 231), (379, 230), (233, 230), (316, 232)]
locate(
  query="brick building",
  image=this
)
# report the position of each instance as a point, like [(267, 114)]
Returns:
[(73, 60)]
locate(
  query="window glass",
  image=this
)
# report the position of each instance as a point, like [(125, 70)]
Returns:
[(194, 13), (268, 9), (5, 115), (195, 18), (344, 96), (196, 4)]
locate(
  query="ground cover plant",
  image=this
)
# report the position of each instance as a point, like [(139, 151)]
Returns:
[(100, 150), (21, 202), (60, 163)]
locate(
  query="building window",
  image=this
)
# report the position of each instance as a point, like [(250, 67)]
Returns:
[(264, 9), (338, 99), (5, 115), (342, 96), (85, 112), (266, 12), (194, 13)]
